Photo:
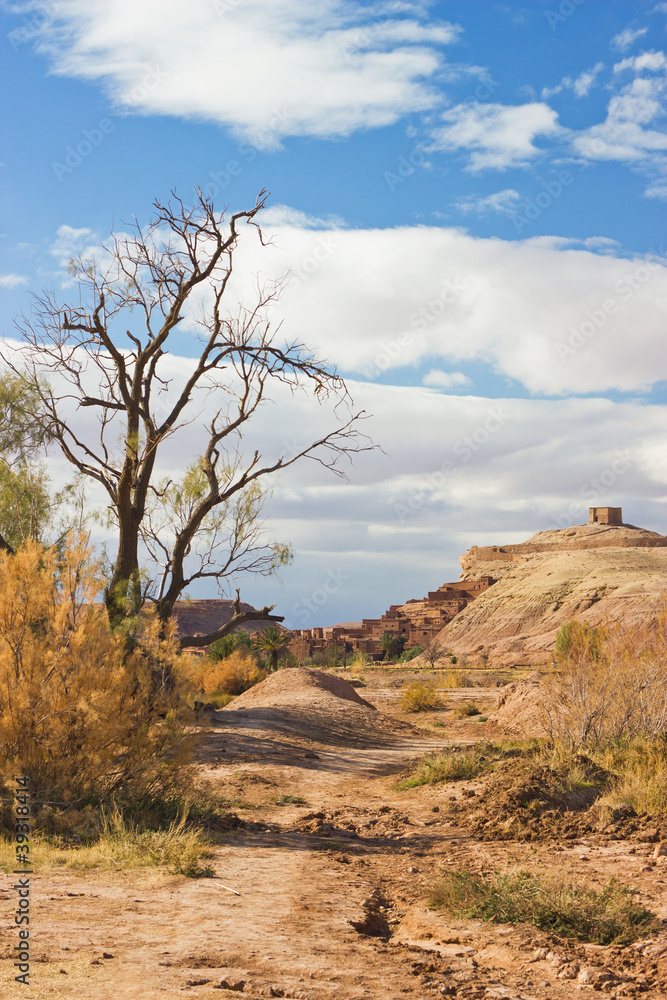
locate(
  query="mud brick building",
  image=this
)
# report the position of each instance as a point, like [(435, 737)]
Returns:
[(605, 515), (418, 620)]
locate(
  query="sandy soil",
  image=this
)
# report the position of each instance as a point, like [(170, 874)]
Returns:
[(328, 895)]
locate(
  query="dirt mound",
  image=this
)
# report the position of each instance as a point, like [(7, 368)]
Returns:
[(519, 709), (522, 803), (303, 687)]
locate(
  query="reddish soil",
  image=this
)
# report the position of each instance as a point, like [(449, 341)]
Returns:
[(328, 897)]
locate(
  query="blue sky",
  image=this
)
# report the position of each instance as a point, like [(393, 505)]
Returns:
[(482, 189)]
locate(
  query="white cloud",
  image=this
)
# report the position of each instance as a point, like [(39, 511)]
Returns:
[(503, 202), (651, 61), (498, 136), (626, 38), (449, 477), (446, 380), (624, 135), (265, 68), (581, 84), (378, 300), (71, 242), (657, 190), (13, 280)]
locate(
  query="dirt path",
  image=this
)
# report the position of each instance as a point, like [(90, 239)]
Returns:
[(330, 891)]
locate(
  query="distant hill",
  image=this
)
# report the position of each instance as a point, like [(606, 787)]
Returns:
[(595, 573)]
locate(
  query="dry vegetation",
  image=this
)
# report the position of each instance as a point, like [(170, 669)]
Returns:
[(97, 720)]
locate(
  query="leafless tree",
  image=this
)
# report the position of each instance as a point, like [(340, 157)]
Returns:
[(434, 650), (107, 354)]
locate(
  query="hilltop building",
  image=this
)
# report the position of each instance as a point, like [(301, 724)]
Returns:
[(605, 515), (418, 620)]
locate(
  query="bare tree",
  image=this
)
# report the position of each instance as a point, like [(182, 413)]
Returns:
[(434, 650), (107, 354)]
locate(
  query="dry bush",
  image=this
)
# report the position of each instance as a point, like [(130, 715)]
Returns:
[(231, 676), (85, 713), (421, 696), (640, 766), (609, 684), (456, 679)]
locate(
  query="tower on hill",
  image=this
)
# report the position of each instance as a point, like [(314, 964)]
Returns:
[(605, 515)]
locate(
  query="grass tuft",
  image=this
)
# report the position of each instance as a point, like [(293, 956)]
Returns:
[(549, 902), (421, 696), (467, 709), (447, 765)]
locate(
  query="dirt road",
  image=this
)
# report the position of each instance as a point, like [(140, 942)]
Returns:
[(328, 893)]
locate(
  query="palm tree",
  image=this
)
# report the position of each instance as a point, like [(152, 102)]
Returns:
[(270, 640), (387, 643)]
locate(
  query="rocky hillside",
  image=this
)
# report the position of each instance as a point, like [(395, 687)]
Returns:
[(595, 573)]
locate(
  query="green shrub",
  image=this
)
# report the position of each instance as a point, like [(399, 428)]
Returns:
[(411, 653), (222, 648), (467, 709), (448, 765), (548, 901)]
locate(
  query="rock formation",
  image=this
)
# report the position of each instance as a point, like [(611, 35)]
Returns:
[(594, 572)]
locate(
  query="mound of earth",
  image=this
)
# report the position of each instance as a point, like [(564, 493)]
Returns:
[(520, 707), (316, 706), (520, 802), (300, 686), (594, 573)]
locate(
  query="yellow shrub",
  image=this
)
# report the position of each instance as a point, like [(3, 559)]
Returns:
[(81, 716), (233, 675), (611, 684), (421, 696)]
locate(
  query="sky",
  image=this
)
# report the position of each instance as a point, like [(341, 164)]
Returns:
[(469, 198)]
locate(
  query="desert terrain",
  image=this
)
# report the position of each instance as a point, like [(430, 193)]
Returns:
[(596, 573), (320, 890)]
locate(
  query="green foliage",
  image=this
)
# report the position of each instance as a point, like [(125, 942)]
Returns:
[(547, 901), (580, 639), (467, 709), (222, 648), (270, 640), (449, 765), (393, 644), (411, 653), (26, 503)]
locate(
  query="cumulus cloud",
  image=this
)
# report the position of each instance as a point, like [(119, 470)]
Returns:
[(629, 133), (502, 202), (266, 68), (454, 471), (552, 314), (626, 38), (13, 280), (581, 85), (497, 136), (657, 190), (436, 379)]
